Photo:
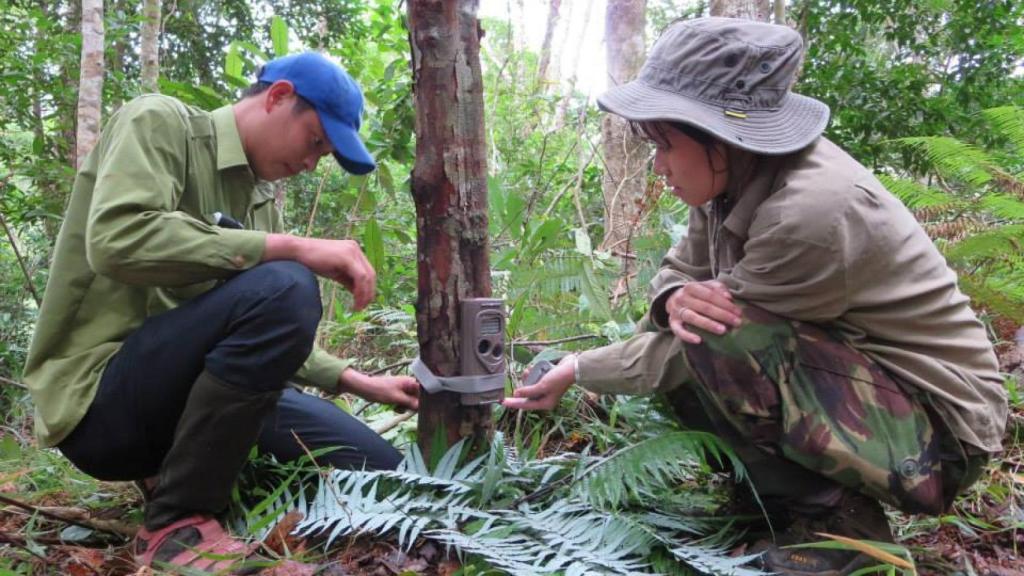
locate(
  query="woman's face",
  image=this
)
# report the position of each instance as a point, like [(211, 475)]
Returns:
[(696, 173)]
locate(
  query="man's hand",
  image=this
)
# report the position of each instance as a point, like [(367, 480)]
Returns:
[(544, 395), (399, 391), (340, 260), (707, 305)]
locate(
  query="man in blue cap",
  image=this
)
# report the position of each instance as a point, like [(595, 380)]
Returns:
[(177, 312)]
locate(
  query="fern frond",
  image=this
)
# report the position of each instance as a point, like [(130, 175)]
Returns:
[(957, 229), (1009, 183), (715, 561), (1007, 121), (954, 159), (1004, 206), (652, 464), (1005, 297), (992, 243), (917, 196)]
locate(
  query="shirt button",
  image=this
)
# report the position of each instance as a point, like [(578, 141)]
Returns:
[(238, 261)]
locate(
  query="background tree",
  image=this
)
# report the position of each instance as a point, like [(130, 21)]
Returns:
[(625, 153), (449, 185), (149, 48), (90, 86), (749, 9)]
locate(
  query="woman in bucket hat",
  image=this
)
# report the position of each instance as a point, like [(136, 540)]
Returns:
[(806, 317)]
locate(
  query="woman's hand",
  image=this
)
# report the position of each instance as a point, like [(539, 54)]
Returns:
[(706, 305), (544, 395)]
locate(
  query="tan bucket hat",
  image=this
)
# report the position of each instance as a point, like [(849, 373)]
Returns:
[(728, 77)]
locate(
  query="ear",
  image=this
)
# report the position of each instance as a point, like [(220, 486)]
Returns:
[(278, 93)]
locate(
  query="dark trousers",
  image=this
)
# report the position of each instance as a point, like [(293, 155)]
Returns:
[(252, 333)]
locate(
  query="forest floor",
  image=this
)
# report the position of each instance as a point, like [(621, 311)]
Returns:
[(982, 535)]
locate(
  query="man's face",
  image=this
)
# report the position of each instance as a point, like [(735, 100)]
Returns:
[(290, 140)]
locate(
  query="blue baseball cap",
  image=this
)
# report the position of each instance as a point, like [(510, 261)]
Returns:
[(336, 98)]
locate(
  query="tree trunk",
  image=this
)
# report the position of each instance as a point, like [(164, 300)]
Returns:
[(545, 49), (749, 9), (625, 154), (449, 187), (149, 50), (779, 6), (90, 84)]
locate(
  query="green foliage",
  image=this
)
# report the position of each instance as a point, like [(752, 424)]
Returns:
[(975, 209), (907, 68), (523, 517)]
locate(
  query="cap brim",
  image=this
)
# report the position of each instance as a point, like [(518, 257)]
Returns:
[(791, 127), (349, 149)]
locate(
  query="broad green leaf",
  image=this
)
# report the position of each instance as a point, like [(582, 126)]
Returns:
[(373, 244), (279, 36)]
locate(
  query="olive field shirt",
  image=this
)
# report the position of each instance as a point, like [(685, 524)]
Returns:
[(139, 239), (815, 237)]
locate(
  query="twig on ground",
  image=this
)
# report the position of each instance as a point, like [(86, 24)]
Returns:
[(76, 516), (392, 422), (558, 341), (13, 383), (23, 544), (389, 367)]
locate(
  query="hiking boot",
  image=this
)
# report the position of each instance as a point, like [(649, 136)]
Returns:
[(856, 516)]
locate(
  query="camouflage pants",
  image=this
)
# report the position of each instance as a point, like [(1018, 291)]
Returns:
[(804, 409)]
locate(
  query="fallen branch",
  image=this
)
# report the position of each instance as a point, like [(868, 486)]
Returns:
[(75, 516)]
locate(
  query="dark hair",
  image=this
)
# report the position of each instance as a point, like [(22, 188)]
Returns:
[(655, 131), (739, 164), (259, 87)]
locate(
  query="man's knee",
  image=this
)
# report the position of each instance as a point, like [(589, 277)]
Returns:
[(292, 294)]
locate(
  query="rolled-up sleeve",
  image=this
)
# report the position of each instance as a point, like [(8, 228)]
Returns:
[(321, 370), (646, 363), (135, 234)]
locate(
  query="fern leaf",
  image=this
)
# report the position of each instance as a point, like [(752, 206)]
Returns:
[(715, 561), (1007, 121), (954, 159), (650, 465), (917, 196)]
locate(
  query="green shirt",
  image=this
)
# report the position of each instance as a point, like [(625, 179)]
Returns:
[(139, 239)]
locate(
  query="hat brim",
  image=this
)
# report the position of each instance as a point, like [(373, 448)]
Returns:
[(349, 149), (788, 128)]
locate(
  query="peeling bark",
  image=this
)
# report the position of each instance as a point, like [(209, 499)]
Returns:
[(449, 187), (90, 86)]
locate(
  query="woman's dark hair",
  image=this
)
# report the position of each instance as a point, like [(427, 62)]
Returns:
[(739, 164), (259, 87)]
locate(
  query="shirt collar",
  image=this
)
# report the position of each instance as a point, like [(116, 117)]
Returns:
[(229, 143), (750, 197)]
